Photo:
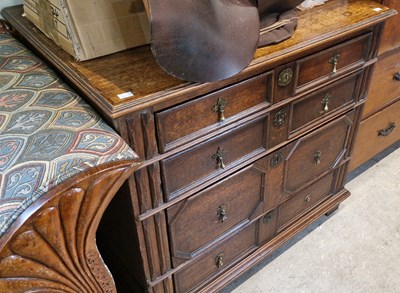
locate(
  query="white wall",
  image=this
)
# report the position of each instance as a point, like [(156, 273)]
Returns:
[(5, 3)]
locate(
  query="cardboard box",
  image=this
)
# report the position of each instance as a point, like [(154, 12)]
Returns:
[(91, 28)]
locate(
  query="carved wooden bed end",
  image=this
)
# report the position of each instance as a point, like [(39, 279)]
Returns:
[(60, 166)]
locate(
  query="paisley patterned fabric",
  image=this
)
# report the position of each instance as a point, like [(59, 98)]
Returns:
[(47, 132)]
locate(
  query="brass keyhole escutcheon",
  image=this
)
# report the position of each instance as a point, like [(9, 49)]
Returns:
[(317, 158), (285, 77), (276, 159), (219, 108), (325, 102), (280, 117), (334, 61), (222, 215), (307, 198), (219, 260), (219, 158)]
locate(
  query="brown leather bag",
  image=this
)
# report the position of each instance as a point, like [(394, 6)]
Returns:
[(207, 40)]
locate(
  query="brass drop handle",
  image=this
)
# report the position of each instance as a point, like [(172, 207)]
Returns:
[(268, 218), (317, 158), (219, 260), (307, 198), (219, 108), (387, 131), (219, 157), (325, 102), (221, 214), (396, 76), (334, 61)]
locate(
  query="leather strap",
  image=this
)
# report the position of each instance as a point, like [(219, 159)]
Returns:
[(204, 40)]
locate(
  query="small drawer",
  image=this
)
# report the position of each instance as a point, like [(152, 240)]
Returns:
[(206, 216), (217, 260), (185, 122), (376, 133), (385, 83), (305, 200), (317, 153), (332, 62), (325, 102), (203, 162)]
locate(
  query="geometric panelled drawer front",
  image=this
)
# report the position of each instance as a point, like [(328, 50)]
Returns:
[(184, 122), (317, 153), (201, 163), (333, 61), (218, 259), (205, 216)]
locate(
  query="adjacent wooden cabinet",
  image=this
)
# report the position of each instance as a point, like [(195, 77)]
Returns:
[(380, 125), (231, 169)]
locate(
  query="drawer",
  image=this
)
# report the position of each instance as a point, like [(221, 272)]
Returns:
[(317, 153), (376, 133), (217, 260), (206, 216), (305, 200), (391, 34), (185, 122), (325, 102), (204, 162), (333, 61), (384, 85)]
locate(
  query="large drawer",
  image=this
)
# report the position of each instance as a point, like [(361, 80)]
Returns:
[(376, 134), (177, 125), (218, 259), (385, 83), (206, 216), (199, 164), (325, 102), (333, 61)]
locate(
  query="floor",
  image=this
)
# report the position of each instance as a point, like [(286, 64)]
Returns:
[(357, 249)]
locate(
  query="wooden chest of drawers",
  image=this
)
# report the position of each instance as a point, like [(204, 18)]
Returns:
[(231, 169), (379, 128)]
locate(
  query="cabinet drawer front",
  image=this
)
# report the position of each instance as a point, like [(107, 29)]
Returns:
[(376, 133), (305, 200), (384, 85), (217, 260), (201, 163), (207, 215), (333, 61), (317, 153), (391, 34), (325, 102), (185, 122)]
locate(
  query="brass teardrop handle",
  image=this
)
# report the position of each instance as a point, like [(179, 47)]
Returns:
[(219, 158), (268, 218), (325, 102), (219, 108), (317, 158), (334, 61), (222, 214), (219, 260), (307, 198), (396, 76), (387, 131)]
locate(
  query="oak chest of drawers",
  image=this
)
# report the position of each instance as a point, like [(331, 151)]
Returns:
[(231, 169), (379, 127)]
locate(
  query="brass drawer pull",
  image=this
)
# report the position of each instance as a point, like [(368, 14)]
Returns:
[(219, 260), (387, 131), (325, 102), (280, 117), (219, 108), (397, 76), (221, 214), (276, 159), (285, 77), (307, 198), (317, 158), (268, 218), (334, 61), (219, 157)]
